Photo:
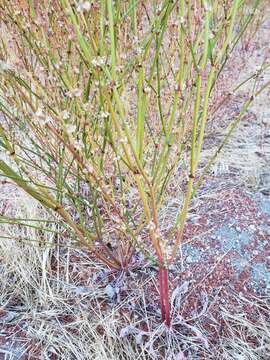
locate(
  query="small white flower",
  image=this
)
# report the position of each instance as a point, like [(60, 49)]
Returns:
[(117, 158), (176, 87), (74, 93), (135, 40), (87, 106), (83, 6), (47, 120), (5, 65), (95, 62), (65, 115), (116, 219), (88, 169), (98, 61), (139, 50), (70, 128), (123, 141), (41, 117), (151, 226), (39, 114), (119, 68), (159, 8), (78, 145), (71, 37), (104, 115), (147, 90)]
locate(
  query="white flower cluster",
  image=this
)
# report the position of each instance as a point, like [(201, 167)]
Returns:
[(147, 89), (41, 117), (5, 65), (88, 169), (87, 106), (99, 61), (104, 115), (78, 145), (123, 141), (151, 226), (70, 128), (116, 158), (65, 115), (74, 93), (83, 6)]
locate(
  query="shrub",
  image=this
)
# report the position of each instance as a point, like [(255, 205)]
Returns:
[(104, 104)]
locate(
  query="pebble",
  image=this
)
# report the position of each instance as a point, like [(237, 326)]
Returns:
[(110, 291), (10, 316), (189, 259)]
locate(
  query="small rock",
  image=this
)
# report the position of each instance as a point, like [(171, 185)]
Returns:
[(10, 316), (110, 291), (82, 290), (189, 259)]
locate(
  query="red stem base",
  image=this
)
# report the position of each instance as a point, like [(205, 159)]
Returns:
[(164, 295)]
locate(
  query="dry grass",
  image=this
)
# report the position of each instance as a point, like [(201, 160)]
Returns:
[(68, 314)]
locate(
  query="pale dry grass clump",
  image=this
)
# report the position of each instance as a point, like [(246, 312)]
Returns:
[(68, 314), (246, 339), (86, 331)]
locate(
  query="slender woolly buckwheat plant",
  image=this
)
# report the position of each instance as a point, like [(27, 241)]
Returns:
[(104, 103)]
